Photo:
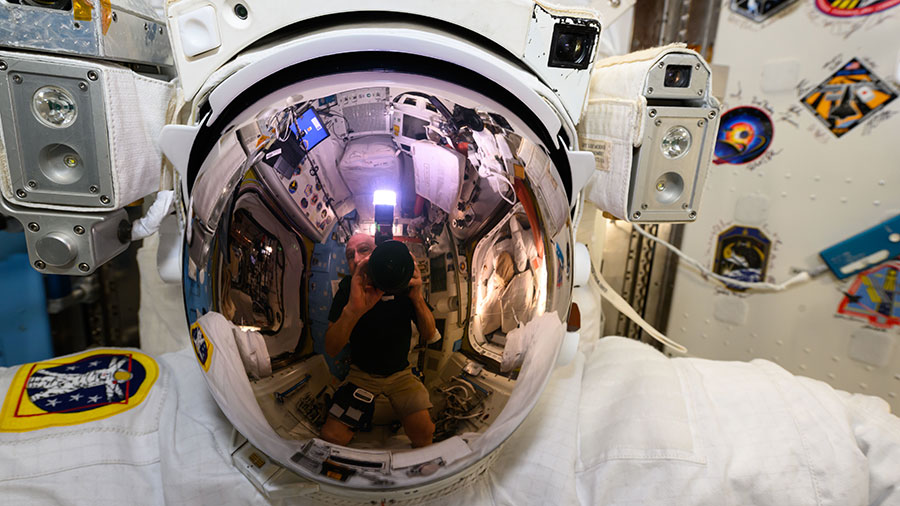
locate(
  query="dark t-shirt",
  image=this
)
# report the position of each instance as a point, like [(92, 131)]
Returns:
[(380, 339)]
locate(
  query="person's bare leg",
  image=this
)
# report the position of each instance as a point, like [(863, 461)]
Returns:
[(419, 428), (335, 432)]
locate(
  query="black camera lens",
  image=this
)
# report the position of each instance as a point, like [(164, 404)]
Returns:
[(572, 45), (677, 76), (391, 267)]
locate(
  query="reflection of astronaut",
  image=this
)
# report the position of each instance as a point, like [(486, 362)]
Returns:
[(56, 383)]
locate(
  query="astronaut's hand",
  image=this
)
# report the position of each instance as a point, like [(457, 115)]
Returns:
[(363, 294), (415, 283)]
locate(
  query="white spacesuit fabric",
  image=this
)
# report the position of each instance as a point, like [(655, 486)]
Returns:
[(172, 447), (654, 430)]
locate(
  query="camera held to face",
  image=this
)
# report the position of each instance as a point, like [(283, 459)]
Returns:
[(391, 267)]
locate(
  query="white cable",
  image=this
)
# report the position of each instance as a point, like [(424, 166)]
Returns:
[(802, 276)]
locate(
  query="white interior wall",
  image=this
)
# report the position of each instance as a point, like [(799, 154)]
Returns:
[(811, 191)]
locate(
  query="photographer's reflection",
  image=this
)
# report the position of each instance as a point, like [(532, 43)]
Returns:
[(372, 310)]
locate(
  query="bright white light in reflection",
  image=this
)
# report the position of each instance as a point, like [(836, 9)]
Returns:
[(384, 198), (245, 328)]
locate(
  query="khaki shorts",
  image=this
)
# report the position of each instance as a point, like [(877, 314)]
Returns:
[(406, 393)]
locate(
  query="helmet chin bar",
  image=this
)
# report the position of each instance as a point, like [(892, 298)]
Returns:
[(479, 203)]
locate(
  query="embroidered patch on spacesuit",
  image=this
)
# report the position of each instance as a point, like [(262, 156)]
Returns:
[(874, 296), (78, 389), (852, 8), (759, 10), (849, 96), (203, 348)]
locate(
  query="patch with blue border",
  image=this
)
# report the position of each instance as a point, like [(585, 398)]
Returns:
[(78, 389), (742, 253), (203, 347)]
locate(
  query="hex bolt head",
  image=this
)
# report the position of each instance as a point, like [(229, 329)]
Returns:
[(78, 229), (21, 193), (104, 199), (94, 188), (83, 267), (92, 75), (40, 264), (652, 113), (34, 227)]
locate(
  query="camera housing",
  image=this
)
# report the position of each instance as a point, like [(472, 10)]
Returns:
[(572, 45)]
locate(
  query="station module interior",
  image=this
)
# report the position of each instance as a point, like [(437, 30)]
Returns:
[(478, 204)]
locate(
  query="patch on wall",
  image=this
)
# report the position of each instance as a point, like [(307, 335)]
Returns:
[(77, 389), (759, 10), (742, 253), (851, 8), (848, 97), (874, 296), (745, 133)]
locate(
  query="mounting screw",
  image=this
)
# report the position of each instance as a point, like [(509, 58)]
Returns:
[(644, 206), (652, 113), (661, 64), (3, 65), (115, 17), (92, 75), (650, 90), (699, 93), (697, 67), (146, 27), (82, 86), (93, 188), (700, 123), (32, 184), (83, 267), (160, 30), (70, 161), (615, 3), (78, 229), (104, 199), (692, 215), (39, 264), (17, 79), (636, 215), (711, 115), (34, 227), (684, 206), (21, 193), (657, 122), (240, 11)]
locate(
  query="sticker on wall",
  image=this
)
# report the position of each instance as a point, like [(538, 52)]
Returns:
[(851, 8), (742, 253), (78, 389), (759, 10), (203, 348), (874, 296), (848, 97), (745, 133)]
